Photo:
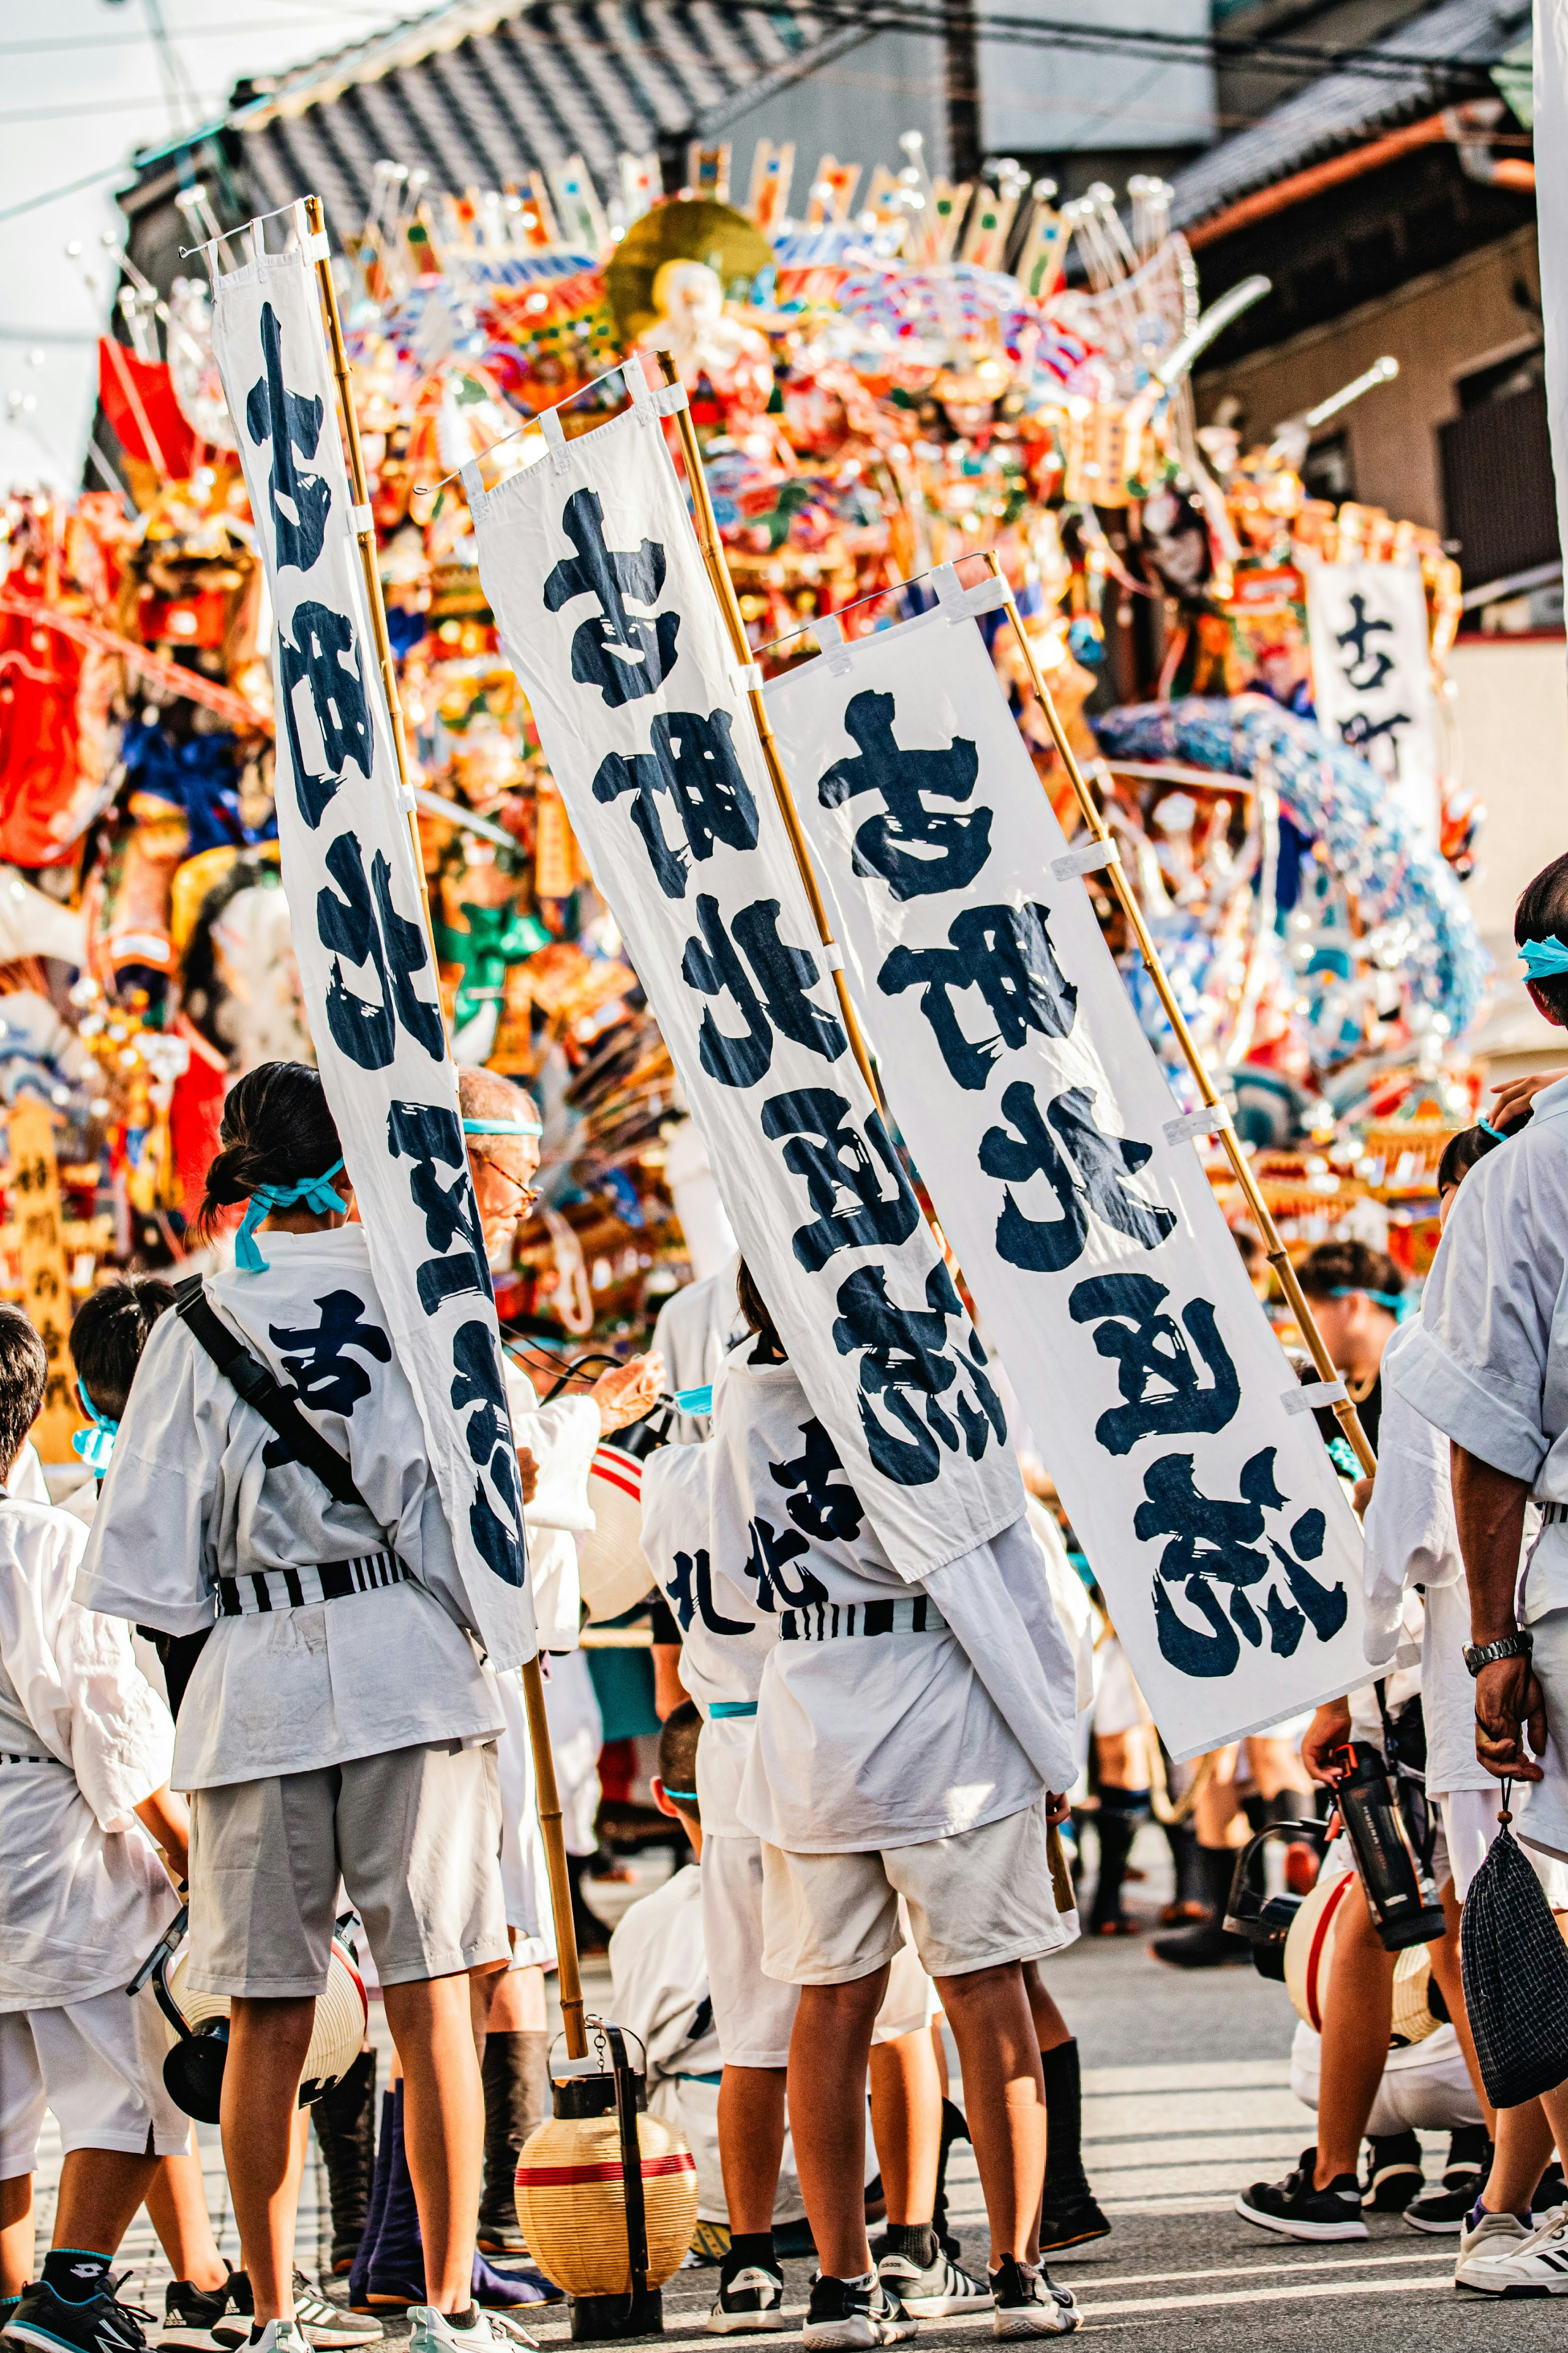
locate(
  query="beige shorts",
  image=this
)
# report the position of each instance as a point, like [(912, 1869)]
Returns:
[(414, 1834), (98, 2064), (976, 1900)]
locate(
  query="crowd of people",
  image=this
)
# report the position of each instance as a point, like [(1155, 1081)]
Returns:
[(238, 1669)]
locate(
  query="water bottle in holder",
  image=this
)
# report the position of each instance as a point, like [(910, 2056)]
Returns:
[(1401, 1898)]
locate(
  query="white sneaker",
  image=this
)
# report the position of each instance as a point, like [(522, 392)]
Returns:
[(282, 2337), (327, 2326), (492, 2332), (854, 2314), (1510, 2261), (751, 2301)]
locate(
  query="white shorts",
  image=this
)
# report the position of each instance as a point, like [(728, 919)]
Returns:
[(1541, 1808), (753, 2014), (98, 2064), (1469, 1826), (1426, 2086), (975, 1901)]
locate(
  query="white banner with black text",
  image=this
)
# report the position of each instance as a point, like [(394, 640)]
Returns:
[(358, 933), (592, 570), (1067, 1181)]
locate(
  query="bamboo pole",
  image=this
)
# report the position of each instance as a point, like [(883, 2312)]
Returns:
[(549, 1796), (1279, 1258), (724, 590)]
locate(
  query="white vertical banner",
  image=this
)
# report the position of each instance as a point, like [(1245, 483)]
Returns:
[(1372, 678), (1550, 127), (595, 577), (364, 957), (1068, 1183)]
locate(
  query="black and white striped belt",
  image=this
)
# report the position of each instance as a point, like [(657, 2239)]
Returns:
[(1551, 1512), (262, 1590), (826, 1621), (15, 1757)]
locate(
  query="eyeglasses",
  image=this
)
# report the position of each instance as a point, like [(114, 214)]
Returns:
[(526, 1194)]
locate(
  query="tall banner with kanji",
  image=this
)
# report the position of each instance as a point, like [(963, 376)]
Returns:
[(1066, 1178), (597, 580), (1372, 678), (34, 1186), (363, 951)]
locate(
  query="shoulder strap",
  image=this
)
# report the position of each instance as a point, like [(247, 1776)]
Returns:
[(301, 1442)]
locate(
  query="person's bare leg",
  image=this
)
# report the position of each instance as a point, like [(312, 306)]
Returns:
[(1445, 1959), (517, 2005), (99, 2192), (444, 2127), (905, 2124), (16, 2233), (829, 2050), (267, 2045), (1051, 2028), (939, 2045), (484, 1992), (750, 2145), (1004, 2098), (1358, 2015), (1218, 1804), (177, 2203), (1276, 1765), (1525, 2138)]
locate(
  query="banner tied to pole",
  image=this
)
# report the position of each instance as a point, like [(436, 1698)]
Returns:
[(1372, 678), (1068, 1187), (595, 576), (363, 951)]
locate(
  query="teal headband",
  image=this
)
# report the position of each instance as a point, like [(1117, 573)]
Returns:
[(690, 1795), (1543, 959), (314, 1191), (1497, 1133), (501, 1127), (1396, 1303), (94, 1446)]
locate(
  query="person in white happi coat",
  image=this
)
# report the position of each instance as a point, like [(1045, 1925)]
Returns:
[(339, 1718), (86, 1748), (556, 1443)]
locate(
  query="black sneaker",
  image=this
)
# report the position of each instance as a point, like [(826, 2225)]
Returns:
[(1028, 2302), (931, 2290), (1394, 2175), (1443, 2210), (189, 2314), (751, 2300), (1294, 2208), (1550, 2191), (857, 2313), (1212, 1947), (1071, 2219), (98, 2323)]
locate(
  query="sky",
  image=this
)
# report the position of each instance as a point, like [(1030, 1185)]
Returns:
[(83, 83)]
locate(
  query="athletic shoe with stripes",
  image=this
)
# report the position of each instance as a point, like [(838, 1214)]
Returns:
[(932, 2290), (1535, 2264)]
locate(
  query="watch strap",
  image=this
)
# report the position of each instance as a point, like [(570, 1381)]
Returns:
[(1517, 1645)]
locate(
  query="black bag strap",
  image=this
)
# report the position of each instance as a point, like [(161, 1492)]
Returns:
[(300, 1440)]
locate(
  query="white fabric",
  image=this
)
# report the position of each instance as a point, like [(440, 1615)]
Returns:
[(1372, 678), (1069, 1598), (1411, 1539), (27, 1481), (524, 1869), (1117, 1704), (83, 1898), (1541, 1808), (1098, 1258), (657, 755), (98, 2064), (188, 1498), (1469, 1826), (696, 1330), (699, 1205), (367, 974), (576, 1737), (562, 1437), (1488, 1363), (1426, 2086)]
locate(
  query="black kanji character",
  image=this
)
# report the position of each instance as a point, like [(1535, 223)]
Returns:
[(428, 1134), (1363, 657), (621, 654), (291, 422), (843, 1183), (1102, 1164), (1164, 1396), (324, 1376), (904, 1357), (690, 1592), (1006, 953), (1215, 1544), (478, 1381), (832, 1513), (1360, 731), (955, 845), (692, 760), (779, 999), (364, 926), (323, 652), (769, 1554)]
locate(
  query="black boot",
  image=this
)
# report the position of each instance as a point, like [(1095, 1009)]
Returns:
[(1116, 1824), (1212, 1947), (1069, 2215), (515, 2080), (1189, 1899), (345, 2127)]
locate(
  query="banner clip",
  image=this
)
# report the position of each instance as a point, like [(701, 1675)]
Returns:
[(1310, 1394), (1208, 1120), (746, 678), (666, 401), (967, 603), (362, 518), (319, 247), (555, 439), (1085, 858), (832, 956)]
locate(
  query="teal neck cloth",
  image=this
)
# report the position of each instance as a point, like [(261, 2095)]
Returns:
[(315, 1192)]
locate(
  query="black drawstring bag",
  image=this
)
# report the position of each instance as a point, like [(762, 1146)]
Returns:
[(1515, 1968)]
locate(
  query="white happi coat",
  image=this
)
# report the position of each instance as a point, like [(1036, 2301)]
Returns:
[(696, 1330), (83, 1898), (189, 1498)]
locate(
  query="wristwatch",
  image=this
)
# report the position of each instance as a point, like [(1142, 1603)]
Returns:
[(1512, 1646)]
